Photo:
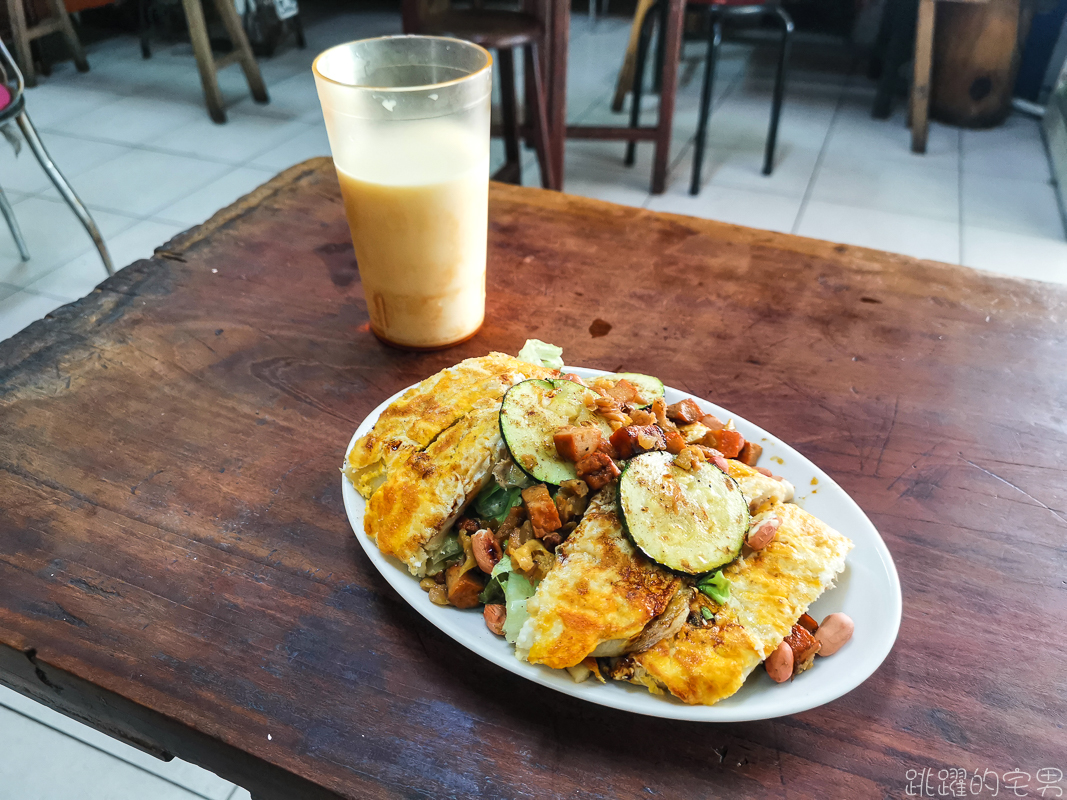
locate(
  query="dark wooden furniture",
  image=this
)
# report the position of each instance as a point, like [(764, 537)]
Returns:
[(504, 31), (23, 34), (176, 567)]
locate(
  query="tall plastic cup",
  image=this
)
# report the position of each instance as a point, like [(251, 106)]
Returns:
[(408, 122)]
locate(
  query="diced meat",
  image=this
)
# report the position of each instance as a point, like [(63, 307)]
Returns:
[(750, 453), (712, 455), (597, 470), (551, 541), (463, 587), (624, 392), (803, 645), (808, 623), (571, 500), (713, 422), (727, 442), (542, 510), (469, 525), (684, 411), (495, 614), (575, 443), (641, 416), (607, 449), (675, 442), (636, 439)]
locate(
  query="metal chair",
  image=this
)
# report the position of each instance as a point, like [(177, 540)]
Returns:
[(717, 12), (15, 108)]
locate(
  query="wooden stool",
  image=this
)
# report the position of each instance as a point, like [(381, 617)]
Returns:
[(503, 31), (206, 62), (59, 21)]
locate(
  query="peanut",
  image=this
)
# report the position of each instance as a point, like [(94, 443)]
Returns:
[(779, 664), (834, 631), (495, 614), (486, 550), (763, 533)]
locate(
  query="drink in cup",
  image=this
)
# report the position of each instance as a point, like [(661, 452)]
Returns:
[(408, 122)]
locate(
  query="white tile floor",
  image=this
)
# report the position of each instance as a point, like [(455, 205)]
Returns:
[(136, 143)]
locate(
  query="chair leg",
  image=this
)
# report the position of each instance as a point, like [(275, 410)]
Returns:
[(540, 114), (639, 79), (37, 146), (145, 27), (779, 89), (624, 83), (13, 224), (66, 27), (714, 40), (16, 14), (205, 61), (512, 170), (298, 27)]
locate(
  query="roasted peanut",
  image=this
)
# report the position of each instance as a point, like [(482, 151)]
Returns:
[(779, 664), (495, 614), (486, 550), (834, 631), (762, 534)]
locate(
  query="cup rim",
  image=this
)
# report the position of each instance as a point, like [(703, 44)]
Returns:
[(421, 86)]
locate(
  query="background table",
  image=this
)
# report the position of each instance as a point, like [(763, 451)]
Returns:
[(176, 567)]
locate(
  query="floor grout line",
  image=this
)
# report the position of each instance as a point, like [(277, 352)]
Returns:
[(106, 753)]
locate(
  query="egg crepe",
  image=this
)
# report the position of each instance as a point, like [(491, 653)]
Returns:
[(757, 487), (414, 419), (600, 595), (769, 590), (409, 516)]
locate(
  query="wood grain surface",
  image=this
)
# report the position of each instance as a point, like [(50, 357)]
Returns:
[(176, 566)]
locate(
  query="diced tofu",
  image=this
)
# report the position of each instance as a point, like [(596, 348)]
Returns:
[(544, 516), (636, 439), (750, 453), (575, 443), (597, 470), (684, 412)]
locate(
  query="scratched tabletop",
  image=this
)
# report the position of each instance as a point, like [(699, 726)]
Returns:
[(176, 567)]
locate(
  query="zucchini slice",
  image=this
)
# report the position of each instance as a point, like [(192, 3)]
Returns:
[(650, 388), (530, 415), (692, 521)]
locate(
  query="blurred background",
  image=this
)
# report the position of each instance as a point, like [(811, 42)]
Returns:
[(121, 95)]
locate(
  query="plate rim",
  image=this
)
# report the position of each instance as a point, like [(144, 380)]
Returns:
[(631, 698)]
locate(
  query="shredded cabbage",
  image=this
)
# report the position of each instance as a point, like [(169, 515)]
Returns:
[(516, 592), (541, 353), (716, 586)]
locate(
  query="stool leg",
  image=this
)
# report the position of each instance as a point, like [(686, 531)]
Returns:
[(714, 40), (540, 122), (37, 146), (779, 89), (66, 27), (240, 43), (205, 61), (512, 169), (639, 79), (13, 224), (145, 28), (17, 16)]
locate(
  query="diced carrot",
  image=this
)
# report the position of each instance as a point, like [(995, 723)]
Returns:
[(727, 442), (675, 442), (684, 411)]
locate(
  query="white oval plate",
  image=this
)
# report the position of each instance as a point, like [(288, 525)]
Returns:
[(868, 591)]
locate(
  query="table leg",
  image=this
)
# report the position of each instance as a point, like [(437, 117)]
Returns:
[(558, 41), (920, 87), (668, 88)]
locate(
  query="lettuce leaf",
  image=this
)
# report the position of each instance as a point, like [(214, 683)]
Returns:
[(494, 502), (516, 592), (716, 586), (541, 353)]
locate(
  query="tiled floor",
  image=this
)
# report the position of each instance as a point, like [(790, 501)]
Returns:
[(136, 143)]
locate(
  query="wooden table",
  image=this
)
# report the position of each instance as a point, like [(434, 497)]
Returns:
[(176, 567)]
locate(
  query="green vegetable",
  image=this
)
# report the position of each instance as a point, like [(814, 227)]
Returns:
[(541, 353), (716, 586), (494, 502), (494, 590), (450, 548), (516, 592), (705, 612)]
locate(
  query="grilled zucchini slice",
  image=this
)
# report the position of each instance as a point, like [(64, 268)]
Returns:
[(692, 521), (530, 415)]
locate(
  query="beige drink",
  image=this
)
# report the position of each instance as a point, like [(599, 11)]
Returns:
[(408, 121), (417, 206)]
